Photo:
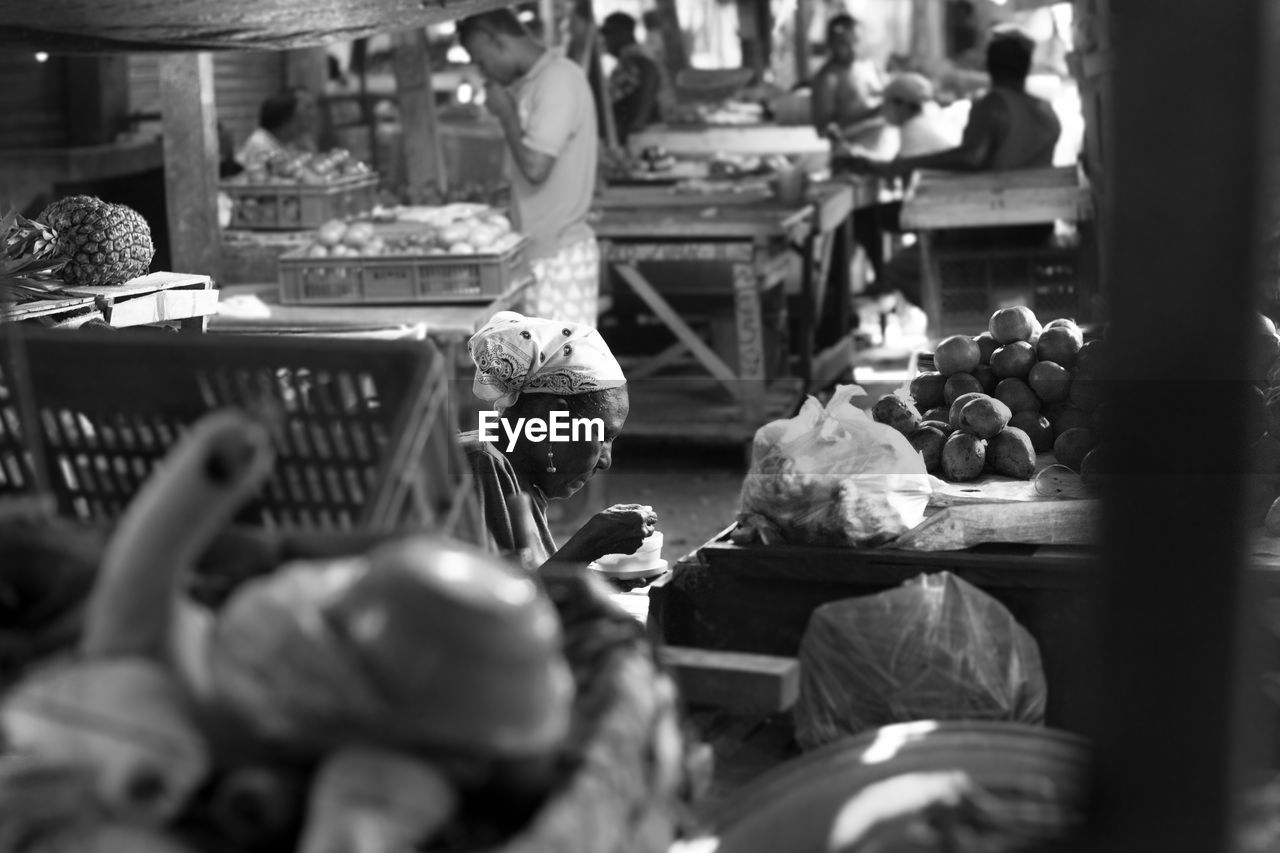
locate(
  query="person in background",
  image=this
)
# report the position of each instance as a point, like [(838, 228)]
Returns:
[(286, 126), (635, 82), (909, 106), (227, 165), (846, 89), (527, 367), (1008, 129), (548, 117), (655, 45)]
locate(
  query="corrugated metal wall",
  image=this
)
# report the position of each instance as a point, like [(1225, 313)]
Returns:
[(242, 80), (33, 98)]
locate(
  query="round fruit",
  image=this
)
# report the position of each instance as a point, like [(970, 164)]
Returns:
[(1037, 428), (959, 384), (926, 390), (986, 378), (1017, 395), (1013, 360), (986, 346), (330, 233), (1050, 381), (1061, 321), (1092, 358), (893, 411), (1266, 324), (1013, 324), (938, 413), (1085, 392), (1060, 345), (358, 233), (953, 416), (928, 441), (1070, 447), (963, 457), (1010, 453), (315, 250), (956, 354), (1065, 416), (945, 427), (462, 249), (985, 417)]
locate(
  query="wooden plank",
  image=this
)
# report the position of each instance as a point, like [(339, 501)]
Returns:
[(190, 161), (424, 166), (744, 684), (939, 200), (1033, 522), (148, 283), (163, 307), (710, 140), (194, 25)]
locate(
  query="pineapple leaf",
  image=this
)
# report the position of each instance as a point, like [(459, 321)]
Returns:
[(6, 224)]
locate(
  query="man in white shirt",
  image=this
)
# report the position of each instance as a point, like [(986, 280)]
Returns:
[(548, 117), (910, 106)]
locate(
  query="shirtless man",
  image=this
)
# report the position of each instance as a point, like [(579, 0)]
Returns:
[(846, 90)]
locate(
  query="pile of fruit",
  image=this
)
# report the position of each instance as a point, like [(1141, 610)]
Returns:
[(304, 168), (997, 400), (487, 233), (79, 240)]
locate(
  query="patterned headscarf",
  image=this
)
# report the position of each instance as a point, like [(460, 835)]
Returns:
[(515, 355)]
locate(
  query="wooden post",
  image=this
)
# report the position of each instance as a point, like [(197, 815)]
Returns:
[(1172, 743), (804, 20), (190, 161), (420, 134), (677, 56), (550, 27), (928, 35), (98, 98)]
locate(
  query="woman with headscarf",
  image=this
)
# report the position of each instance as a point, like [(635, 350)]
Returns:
[(527, 369)]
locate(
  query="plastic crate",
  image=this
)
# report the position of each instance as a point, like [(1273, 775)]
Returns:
[(293, 207), (977, 283), (400, 279)]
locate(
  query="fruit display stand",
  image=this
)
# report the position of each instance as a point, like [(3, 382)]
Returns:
[(293, 206), (159, 297)]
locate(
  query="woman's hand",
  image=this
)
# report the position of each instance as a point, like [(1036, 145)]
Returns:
[(620, 529)]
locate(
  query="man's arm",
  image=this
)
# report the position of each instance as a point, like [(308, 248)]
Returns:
[(646, 96), (822, 102), (534, 165), (983, 131)]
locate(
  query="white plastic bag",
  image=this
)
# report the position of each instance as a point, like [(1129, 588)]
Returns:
[(833, 476)]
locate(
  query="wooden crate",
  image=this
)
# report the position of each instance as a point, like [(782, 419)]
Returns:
[(158, 297)]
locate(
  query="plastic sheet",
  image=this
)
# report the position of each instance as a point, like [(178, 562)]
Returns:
[(936, 648), (833, 476)]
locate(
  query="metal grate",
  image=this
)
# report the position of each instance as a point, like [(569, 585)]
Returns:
[(361, 427)]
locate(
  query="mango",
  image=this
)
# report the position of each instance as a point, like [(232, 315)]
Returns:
[(960, 383), (986, 378), (941, 413), (1050, 381), (894, 411), (928, 441), (945, 426), (1072, 446), (956, 354), (1015, 359), (926, 390), (1017, 395), (953, 415), (985, 417), (1065, 416), (986, 345), (1037, 428), (963, 457), (1010, 453)]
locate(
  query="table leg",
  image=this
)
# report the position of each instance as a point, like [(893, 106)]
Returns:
[(931, 283), (749, 317)]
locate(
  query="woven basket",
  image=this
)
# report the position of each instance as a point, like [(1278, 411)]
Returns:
[(625, 785)]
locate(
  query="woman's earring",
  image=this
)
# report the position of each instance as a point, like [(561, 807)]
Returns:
[(551, 462)]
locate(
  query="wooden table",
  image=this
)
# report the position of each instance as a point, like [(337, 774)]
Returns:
[(760, 241), (941, 201), (746, 139)]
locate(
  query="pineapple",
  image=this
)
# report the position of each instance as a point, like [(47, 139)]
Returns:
[(103, 243)]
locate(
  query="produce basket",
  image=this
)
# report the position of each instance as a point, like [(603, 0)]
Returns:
[(361, 426), (400, 279), (282, 207)]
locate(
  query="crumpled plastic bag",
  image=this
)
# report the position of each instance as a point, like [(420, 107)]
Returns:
[(935, 648), (832, 476)]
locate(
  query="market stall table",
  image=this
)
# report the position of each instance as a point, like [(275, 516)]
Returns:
[(748, 230), (709, 140), (159, 297)]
